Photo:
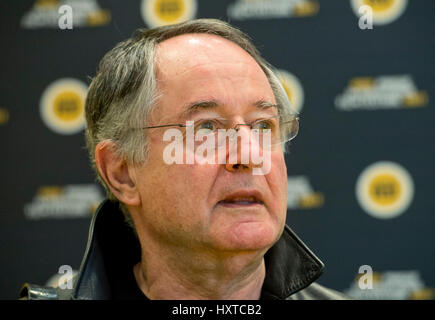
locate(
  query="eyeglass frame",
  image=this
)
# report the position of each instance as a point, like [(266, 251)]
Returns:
[(236, 127)]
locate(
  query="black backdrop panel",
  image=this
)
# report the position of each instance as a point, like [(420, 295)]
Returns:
[(360, 172)]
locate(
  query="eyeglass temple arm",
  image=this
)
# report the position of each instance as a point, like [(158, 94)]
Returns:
[(166, 125)]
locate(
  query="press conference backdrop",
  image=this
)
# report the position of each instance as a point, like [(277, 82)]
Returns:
[(360, 173)]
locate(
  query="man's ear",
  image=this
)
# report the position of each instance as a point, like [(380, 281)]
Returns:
[(117, 174)]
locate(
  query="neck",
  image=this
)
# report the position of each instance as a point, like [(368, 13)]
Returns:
[(193, 275)]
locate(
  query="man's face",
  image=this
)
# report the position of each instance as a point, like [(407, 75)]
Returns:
[(216, 207)]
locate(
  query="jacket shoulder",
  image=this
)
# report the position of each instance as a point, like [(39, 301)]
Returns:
[(316, 291), (36, 292)]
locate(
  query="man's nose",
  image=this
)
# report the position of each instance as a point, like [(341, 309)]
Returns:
[(240, 151), (237, 167)]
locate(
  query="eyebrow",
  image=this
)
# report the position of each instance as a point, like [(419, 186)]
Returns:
[(263, 104), (196, 106)]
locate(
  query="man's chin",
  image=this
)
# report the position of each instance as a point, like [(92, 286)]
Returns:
[(247, 236)]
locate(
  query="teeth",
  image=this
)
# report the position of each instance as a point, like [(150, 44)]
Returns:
[(247, 199), (242, 200)]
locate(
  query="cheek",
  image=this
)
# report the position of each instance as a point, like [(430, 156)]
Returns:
[(174, 201), (191, 187), (177, 187), (277, 180)]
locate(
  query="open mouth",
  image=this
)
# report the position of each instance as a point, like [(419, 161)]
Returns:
[(240, 200)]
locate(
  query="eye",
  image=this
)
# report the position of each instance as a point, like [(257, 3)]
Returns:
[(262, 125), (206, 126)]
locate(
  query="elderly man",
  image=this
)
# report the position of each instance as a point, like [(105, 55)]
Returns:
[(196, 228)]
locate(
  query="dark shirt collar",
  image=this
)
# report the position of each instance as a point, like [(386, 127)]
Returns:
[(113, 249)]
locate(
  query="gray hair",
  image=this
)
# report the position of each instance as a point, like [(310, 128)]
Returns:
[(124, 90)]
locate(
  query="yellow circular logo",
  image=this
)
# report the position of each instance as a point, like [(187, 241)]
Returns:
[(293, 88), (384, 190), (384, 11), (163, 12), (62, 106)]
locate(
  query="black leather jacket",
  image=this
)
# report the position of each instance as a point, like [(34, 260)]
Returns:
[(112, 250)]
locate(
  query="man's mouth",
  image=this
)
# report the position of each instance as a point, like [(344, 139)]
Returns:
[(242, 200)]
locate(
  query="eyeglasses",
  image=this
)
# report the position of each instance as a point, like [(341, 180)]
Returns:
[(281, 129)]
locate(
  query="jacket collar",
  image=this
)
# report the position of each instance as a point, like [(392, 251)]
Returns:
[(113, 248)]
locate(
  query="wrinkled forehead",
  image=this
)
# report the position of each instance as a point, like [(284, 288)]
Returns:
[(189, 51), (208, 72)]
